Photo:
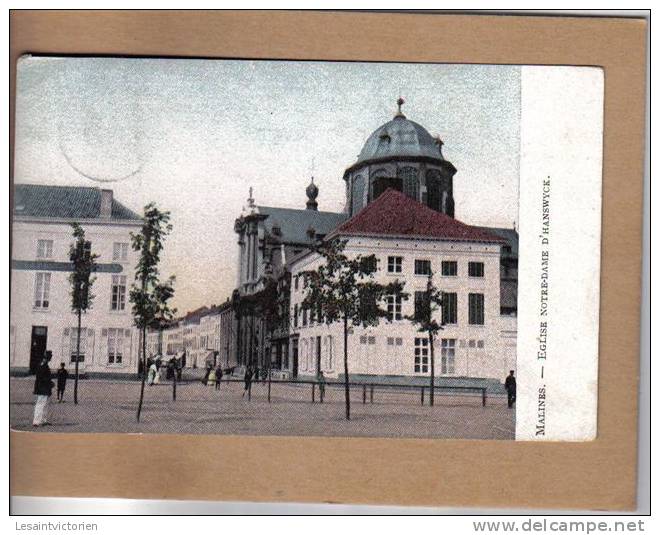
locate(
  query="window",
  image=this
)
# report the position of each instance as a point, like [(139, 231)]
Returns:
[(408, 176), (44, 248), (329, 352), (42, 290), (476, 309), (295, 315), (115, 346), (363, 339), (73, 344), (422, 267), (304, 317), (449, 308), (480, 344), (372, 340), (368, 264), (394, 264), (475, 269), (449, 268), (448, 354), (120, 252), (394, 307), (421, 355), (295, 282), (421, 305), (118, 292), (394, 341)]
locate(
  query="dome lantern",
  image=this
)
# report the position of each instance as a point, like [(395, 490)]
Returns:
[(312, 193)]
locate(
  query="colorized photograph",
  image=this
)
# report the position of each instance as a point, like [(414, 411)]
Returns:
[(243, 247)]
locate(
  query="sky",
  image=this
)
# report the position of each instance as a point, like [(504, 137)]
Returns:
[(195, 135)]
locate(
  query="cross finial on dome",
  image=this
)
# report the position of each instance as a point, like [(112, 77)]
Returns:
[(400, 102)]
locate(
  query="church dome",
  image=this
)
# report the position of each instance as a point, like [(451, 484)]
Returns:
[(398, 138)]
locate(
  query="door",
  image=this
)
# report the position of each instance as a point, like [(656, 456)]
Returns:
[(294, 358), (37, 346)]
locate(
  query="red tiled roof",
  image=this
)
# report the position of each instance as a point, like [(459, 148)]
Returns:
[(395, 214)]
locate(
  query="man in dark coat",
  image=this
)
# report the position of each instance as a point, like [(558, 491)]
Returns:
[(43, 388), (510, 387), (62, 376), (248, 381)]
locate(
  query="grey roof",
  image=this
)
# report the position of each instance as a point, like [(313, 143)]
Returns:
[(509, 234), (293, 224), (400, 137), (65, 202)]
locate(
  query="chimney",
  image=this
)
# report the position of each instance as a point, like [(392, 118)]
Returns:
[(106, 203)]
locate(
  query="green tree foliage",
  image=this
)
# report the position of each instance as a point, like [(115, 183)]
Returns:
[(81, 280), (149, 296), (424, 319), (344, 289)]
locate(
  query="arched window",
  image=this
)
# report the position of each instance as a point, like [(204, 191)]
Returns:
[(357, 194), (434, 189), (408, 176), (380, 181)]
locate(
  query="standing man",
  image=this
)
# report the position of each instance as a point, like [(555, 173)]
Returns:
[(510, 386), (248, 381), (321, 380), (43, 388), (62, 376)]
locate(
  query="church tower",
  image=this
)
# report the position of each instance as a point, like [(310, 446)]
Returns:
[(401, 154)]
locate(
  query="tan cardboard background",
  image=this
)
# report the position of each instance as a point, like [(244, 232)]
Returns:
[(595, 475)]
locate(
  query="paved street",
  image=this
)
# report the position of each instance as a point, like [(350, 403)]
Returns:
[(110, 406)]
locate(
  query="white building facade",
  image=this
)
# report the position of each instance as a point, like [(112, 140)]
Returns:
[(473, 341), (41, 315)]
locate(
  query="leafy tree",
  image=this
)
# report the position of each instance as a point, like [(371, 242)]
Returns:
[(268, 307), (148, 294), (344, 290), (84, 263), (426, 323)]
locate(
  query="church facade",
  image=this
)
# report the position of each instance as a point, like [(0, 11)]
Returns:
[(399, 207)]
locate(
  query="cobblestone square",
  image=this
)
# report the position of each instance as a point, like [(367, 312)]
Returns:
[(110, 406)]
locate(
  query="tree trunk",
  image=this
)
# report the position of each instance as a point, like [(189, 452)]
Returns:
[(269, 382), (75, 380), (144, 370), (431, 391), (347, 390)]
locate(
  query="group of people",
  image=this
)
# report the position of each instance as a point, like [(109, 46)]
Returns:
[(43, 389), (174, 367), (213, 376)]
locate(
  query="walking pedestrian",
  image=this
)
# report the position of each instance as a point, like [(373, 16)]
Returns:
[(510, 387), (247, 379), (62, 376), (153, 372), (43, 389)]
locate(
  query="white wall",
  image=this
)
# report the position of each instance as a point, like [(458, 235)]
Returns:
[(58, 317), (493, 360)]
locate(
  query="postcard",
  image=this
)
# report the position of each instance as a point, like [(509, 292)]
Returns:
[(306, 248)]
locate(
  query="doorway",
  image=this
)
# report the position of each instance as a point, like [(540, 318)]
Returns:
[(38, 346), (294, 358)]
